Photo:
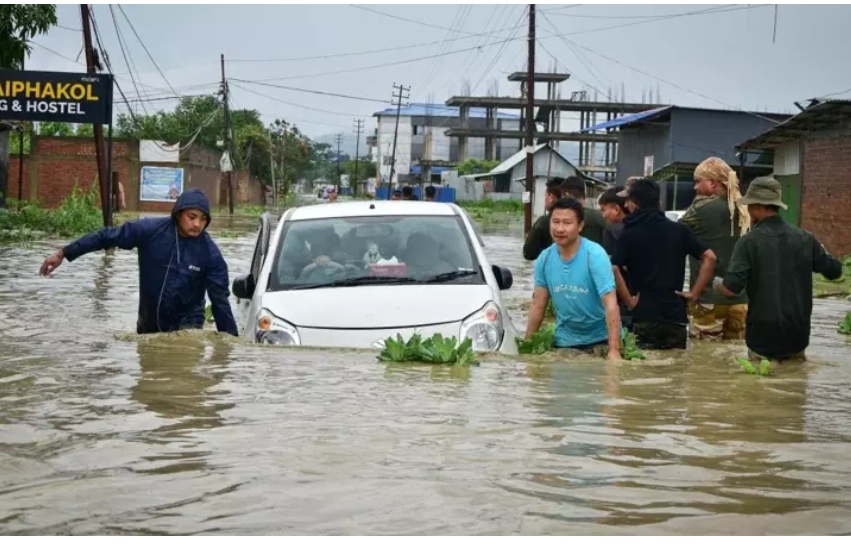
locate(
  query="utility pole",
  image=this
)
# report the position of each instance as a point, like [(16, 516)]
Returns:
[(228, 136), (103, 176), (339, 139), (530, 124), (399, 92), (272, 164), (358, 130)]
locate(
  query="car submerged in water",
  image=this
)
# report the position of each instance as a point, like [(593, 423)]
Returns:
[(350, 275)]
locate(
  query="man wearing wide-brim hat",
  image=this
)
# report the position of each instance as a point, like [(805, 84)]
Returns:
[(774, 263)]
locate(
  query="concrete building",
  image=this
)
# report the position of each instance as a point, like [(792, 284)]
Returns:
[(667, 143), (422, 148), (811, 158)]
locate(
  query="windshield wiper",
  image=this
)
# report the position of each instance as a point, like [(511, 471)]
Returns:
[(449, 276), (358, 281)]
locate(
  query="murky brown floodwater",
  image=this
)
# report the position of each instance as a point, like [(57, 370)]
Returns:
[(102, 432)]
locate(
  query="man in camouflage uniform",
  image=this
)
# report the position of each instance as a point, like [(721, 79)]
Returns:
[(717, 221)]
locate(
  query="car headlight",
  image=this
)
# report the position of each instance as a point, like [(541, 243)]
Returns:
[(274, 331), (484, 328)]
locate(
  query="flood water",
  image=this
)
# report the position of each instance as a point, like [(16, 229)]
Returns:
[(104, 432)]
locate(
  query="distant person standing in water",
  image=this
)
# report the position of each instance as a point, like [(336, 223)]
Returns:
[(430, 193), (178, 264), (774, 262), (539, 237)]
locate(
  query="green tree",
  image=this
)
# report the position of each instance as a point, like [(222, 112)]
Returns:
[(476, 166), (19, 23), (365, 166)]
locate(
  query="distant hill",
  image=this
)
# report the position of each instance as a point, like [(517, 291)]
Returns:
[(347, 146)]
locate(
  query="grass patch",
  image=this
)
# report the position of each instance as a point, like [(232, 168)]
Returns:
[(77, 215), (489, 209)]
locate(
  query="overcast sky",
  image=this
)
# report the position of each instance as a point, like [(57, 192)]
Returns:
[(718, 60)]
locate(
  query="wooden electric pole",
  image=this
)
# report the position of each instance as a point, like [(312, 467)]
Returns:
[(530, 125), (339, 139), (228, 136), (399, 92), (92, 65), (358, 130)]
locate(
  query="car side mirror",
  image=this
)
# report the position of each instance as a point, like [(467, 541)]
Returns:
[(504, 278), (243, 287)]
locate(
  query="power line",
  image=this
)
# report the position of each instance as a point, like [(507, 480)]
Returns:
[(318, 92), (132, 28), (124, 54), (382, 65), (293, 104), (669, 83), (421, 22)]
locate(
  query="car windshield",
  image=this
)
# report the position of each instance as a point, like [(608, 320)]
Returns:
[(374, 250)]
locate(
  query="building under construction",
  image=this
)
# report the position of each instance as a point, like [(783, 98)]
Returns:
[(598, 150)]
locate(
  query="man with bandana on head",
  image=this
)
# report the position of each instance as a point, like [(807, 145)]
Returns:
[(717, 221)]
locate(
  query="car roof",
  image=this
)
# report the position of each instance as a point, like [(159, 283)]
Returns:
[(364, 208)]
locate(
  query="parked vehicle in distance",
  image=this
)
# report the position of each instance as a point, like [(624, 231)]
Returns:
[(350, 275)]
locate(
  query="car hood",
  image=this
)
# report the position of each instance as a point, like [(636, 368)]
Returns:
[(364, 307)]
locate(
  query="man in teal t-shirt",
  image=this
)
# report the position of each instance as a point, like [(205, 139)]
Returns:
[(577, 274)]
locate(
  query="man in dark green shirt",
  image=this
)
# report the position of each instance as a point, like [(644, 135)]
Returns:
[(718, 222), (774, 263), (595, 225), (539, 238)]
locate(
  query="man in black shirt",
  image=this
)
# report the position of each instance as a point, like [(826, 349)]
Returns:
[(653, 250), (774, 262)]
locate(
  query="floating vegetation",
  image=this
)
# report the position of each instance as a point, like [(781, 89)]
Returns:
[(436, 350), (762, 369)]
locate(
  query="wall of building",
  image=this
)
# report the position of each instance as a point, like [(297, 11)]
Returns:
[(56, 165), (826, 193), (699, 134), (639, 142)]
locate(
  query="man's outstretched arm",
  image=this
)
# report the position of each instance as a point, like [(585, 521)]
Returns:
[(126, 236)]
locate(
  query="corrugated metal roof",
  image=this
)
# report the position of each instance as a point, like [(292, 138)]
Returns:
[(628, 119), (516, 159), (440, 110), (820, 115)]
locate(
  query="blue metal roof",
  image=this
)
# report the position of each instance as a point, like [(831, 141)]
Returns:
[(628, 119), (440, 110), (417, 169)]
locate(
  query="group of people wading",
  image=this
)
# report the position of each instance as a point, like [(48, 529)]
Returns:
[(623, 265)]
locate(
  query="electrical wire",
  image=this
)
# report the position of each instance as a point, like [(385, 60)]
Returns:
[(132, 28), (124, 54), (418, 22), (294, 104), (317, 92)]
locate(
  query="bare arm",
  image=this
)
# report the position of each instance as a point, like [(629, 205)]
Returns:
[(707, 271), (536, 310), (613, 323), (623, 290)]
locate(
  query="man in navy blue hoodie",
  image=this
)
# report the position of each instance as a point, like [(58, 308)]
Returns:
[(178, 263)]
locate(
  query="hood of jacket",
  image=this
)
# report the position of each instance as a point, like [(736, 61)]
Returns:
[(644, 216), (193, 198)]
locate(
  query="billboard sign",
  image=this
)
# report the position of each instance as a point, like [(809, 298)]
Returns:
[(79, 98), (160, 184)]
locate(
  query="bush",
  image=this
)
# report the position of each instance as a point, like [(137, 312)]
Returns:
[(76, 215)]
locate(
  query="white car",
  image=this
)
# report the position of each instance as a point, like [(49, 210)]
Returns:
[(349, 275)]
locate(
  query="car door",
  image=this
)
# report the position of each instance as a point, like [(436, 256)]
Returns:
[(258, 258)]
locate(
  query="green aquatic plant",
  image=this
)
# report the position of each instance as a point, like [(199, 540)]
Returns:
[(437, 350), (541, 341), (762, 369), (845, 325), (629, 348), (551, 310)]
